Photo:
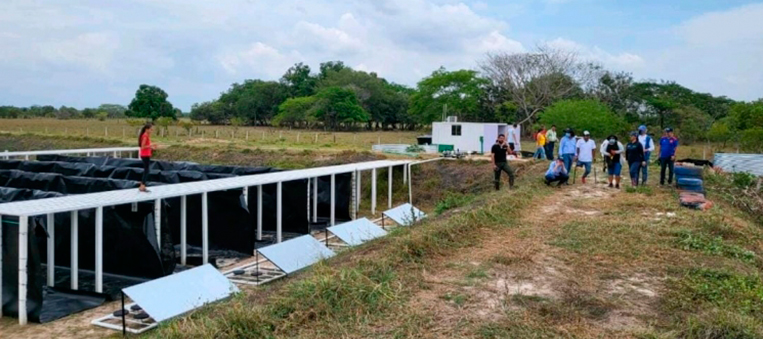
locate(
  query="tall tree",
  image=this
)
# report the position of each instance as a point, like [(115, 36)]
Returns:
[(255, 101), (150, 102), (460, 90), (537, 79), (113, 110), (336, 106), (299, 81)]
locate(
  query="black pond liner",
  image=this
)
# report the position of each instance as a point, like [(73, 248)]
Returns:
[(130, 250)]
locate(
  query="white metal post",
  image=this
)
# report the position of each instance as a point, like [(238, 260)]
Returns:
[(74, 250), (357, 186), (389, 189), (23, 249), (259, 213), (410, 182), (373, 191), (315, 199), (99, 249), (204, 229), (1, 265), (51, 250), (246, 197), (183, 223), (279, 207), (333, 200), (405, 174), (158, 223)]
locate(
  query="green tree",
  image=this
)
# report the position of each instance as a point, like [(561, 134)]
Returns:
[(590, 115), (459, 90), (299, 81), (255, 101), (692, 124), (294, 112), (151, 102), (746, 115), (752, 140), (114, 111), (720, 132), (212, 111), (336, 106)]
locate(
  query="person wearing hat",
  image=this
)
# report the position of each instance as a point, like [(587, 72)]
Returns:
[(557, 172), (668, 147), (614, 167), (567, 148), (647, 142), (634, 155), (585, 153)]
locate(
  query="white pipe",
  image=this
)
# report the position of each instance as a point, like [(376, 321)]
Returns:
[(333, 200), (279, 207), (99, 249), (315, 199), (23, 249), (259, 213), (204, 229), (51, 250), (389, 185), (183, 231), (373, 191), (74, 250)]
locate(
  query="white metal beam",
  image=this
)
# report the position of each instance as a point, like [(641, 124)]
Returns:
[(204, 229), (23, 251), (99, 249), (51, 249), (183, 229), (333, 200), (74, 254), (279, 208), (26, 154)]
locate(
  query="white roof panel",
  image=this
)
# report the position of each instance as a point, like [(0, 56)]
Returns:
[(121, 197), (295, 254), (405, 214), (357, 232)]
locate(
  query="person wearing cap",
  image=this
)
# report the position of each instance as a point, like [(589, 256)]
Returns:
[(647, 142), (540, 142), (668, 147), (551, 140), (614, 167), (585, 153), (557, 172), (634, 155), (567, 148)]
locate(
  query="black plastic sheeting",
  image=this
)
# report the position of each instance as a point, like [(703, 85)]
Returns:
[(130, 248)]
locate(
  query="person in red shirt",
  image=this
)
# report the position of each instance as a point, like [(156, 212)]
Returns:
[(146, 151)]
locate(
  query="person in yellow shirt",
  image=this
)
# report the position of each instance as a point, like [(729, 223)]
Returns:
[(540, 143)]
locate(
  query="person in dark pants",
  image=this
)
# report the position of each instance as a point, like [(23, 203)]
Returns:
[(557, 172), (499, 152), (551, 140), (634, 155), (668, 146), (146, 151)]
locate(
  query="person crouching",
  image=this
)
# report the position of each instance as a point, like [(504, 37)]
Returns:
[(557, 172)]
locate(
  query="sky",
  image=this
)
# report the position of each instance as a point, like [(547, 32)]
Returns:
[(83, 53)]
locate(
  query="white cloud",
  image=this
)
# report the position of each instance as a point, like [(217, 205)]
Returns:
[(258, 59), (620, 62)]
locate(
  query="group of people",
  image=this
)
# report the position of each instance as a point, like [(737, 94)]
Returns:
[(581, 152)]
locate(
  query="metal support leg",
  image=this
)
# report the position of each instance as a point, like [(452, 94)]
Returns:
[(315, 199), (74, 251), (333, 200), (183, 230), (204, 229), (1, 265), (23, 249), (259, 213), (410, 181), (358, 181), (246, 197), (279, 208), (389, 189), (99, 249), (51, 250), (373, 191), (158, 222), (405, 174)]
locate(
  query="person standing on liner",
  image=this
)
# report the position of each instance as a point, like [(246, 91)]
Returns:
[(647, 142), (146, 151), (668, 146), (635, 156), (551, 140), (499, 152)]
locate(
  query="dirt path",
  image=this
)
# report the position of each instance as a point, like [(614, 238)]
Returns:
[(535, 280)]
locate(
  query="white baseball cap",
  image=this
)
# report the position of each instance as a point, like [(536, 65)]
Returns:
[(586, 133)]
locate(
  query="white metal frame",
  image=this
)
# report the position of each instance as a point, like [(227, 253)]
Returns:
[(72, 204), (103, 322), (114, 151)]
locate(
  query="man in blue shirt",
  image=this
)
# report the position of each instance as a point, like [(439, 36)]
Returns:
[(568, 148), (668, 146), (557, 172)]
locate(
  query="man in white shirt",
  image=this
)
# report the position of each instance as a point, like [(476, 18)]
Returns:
[(648, 144), (512, 138), (586, 153)]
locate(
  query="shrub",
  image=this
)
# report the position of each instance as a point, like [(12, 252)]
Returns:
[(580, 115)]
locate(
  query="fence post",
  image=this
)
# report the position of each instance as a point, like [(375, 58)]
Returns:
[(297, 137), (87, 131), (280, 135), (316, 138), (123, 133), (106, 132), (247, 135), (217, 133), (263, 135)]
